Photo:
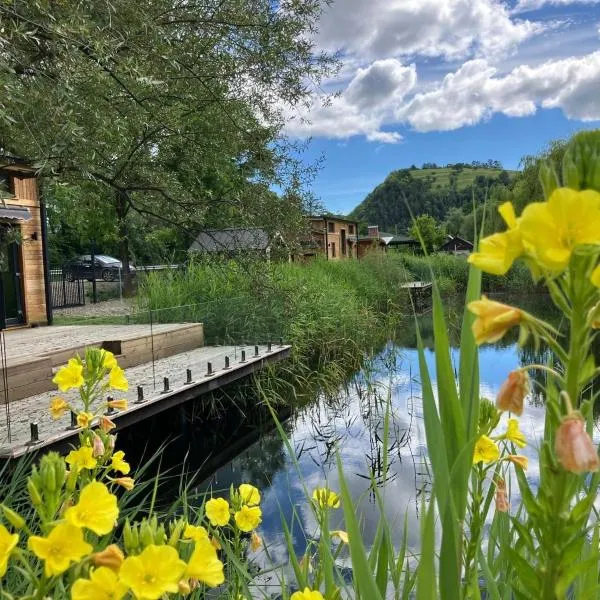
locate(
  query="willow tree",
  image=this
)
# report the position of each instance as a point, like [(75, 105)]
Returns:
[(173, 110)]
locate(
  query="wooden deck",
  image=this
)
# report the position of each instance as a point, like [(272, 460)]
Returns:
[(242, 362)]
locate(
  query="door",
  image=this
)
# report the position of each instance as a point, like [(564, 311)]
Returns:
[(12, 286)]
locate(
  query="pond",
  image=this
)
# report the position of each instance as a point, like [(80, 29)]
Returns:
[(352, 424)]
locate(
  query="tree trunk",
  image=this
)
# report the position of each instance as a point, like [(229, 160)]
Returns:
[(122, 207)]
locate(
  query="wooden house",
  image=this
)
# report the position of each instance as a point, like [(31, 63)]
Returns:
[(332, 236), (24, 274), (456, 245)]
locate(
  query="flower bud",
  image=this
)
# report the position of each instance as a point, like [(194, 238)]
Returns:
[(146, 534), (513, 392), (97, 446), (14, 518), (111, 557), (255, 541), (215, 543), (594, 317), (34, 493), (106, 424), (501, 497), (127, 482), (574, 447), (519, 460), (112, 440), (184, 587), (118, 404)]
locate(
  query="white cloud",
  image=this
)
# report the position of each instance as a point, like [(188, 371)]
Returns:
[(367, 103), (530, 5), (434, 28), (475, 92)]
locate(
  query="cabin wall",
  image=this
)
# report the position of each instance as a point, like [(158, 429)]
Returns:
[(25, 190)]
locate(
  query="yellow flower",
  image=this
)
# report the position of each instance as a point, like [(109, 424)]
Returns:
[(255, 541), (118, 404), (58, 406), (519, 460), (103, 584), (249, 494), (82, 458), (485, 450), (325, 498), (498, 252), (514, 434), (552, 230), (513, 392), (342, 535), (217, 511), (70, 376), (493, 320), (596, 276), (194, 532), (64, 545), (307, 594), (248, 518), (108, 360), (117, 379), (84, 419), (125, 482), (204, 564), (96, 509), (118, 463), (7, 542), (112, 557), (154, 572)]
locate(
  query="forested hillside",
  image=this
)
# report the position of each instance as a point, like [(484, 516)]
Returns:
[(432, 191)]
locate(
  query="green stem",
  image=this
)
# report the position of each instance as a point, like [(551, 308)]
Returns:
[(475, 528)]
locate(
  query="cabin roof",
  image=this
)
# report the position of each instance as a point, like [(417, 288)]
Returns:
[(231, 239)]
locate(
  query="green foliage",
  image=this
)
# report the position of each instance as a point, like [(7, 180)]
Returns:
[(426, 230)]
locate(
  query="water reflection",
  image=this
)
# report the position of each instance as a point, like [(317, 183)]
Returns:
[(352, 423)]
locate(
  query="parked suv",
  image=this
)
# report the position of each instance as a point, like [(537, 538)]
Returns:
[(105, 267)]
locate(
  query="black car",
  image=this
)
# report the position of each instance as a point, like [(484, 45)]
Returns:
[(106, 268)]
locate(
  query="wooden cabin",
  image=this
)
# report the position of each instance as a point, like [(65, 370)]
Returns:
[(24, 273)]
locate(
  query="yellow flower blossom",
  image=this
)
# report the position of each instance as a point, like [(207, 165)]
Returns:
[(493, 320), (58, 407), (96, 509), (596, 276), (249, 494), (248, 518), (342, 535), (69, 377), (552, 230), (307, 594), (499, 251), (195, 532), (7, 543), (112, 557), (514, 434), (325, 498), (118, 404), (217, 511), (64, 545), (108, 360), (118, 463), (103, 584), (486, 450), (204, 564), (117, 379), (84, 419), (82, 458), (154, 572)]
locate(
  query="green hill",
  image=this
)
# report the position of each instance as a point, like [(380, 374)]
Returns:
[(426, 191)]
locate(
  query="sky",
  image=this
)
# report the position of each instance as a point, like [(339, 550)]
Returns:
[(446, 81)]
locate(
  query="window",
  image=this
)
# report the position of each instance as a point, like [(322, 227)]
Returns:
[(331, 227), (332, 249), (351, 229)]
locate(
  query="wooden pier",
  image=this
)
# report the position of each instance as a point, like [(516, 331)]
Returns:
[(420, 293), (183, 371)]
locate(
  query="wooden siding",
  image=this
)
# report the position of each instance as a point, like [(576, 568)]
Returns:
[(25, 190)]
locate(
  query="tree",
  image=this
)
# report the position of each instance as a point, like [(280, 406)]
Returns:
[(425, 229), (454, 220), (172, 111)]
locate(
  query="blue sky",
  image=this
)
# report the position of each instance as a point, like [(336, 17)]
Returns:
[(447, 81)]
